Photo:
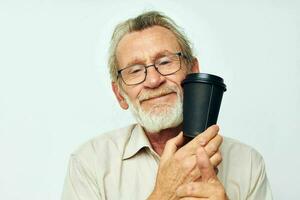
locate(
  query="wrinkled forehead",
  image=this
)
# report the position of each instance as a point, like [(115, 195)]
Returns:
[(144, 46)]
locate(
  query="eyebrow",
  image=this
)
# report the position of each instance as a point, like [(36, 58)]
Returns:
[(153, 58), (135, 61)]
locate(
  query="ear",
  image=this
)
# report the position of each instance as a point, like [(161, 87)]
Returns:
[(120, 98), (195, 68)]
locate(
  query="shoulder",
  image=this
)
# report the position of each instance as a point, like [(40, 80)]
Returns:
[(232, 147), (240, 160), (243, 172), (105, 144), (242, 169)]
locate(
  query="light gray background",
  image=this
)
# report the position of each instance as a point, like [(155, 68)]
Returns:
[(55, 90)]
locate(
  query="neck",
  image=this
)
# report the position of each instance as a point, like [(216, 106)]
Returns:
[(158, 140)]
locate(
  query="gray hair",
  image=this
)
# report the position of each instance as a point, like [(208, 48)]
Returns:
[(139, 23)]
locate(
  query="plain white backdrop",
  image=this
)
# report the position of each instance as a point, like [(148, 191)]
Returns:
[(55, 90)]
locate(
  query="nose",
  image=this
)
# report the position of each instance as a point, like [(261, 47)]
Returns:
[(154, 78)]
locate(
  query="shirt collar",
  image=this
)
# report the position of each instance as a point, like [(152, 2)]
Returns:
[(136, 142)]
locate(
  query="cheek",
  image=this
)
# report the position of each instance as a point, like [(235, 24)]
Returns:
[(177, 79), (132, 92), (180, 75)]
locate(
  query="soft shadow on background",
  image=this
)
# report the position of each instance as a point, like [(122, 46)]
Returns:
[(55, 89)]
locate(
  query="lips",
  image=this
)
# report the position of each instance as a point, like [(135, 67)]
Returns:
[(157, 96)]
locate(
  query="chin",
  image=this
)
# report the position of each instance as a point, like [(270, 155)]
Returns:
[(161, 117), (160, 109), (161, 125)]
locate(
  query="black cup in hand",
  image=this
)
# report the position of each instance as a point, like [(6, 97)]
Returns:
[(202, 96)]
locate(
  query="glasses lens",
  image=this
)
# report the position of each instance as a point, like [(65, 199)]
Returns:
[(165, 65), (133, 74), (168, 64)]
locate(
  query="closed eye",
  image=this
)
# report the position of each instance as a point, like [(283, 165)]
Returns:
[(165, 62), (135, 71)]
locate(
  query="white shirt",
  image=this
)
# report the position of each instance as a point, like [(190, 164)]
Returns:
[(122, 165)]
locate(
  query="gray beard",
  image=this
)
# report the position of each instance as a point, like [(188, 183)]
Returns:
[(159, 117)]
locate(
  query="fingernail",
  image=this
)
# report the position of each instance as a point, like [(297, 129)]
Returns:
[(217, 127)]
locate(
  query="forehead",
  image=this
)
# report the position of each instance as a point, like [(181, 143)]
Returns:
[(145, 44)]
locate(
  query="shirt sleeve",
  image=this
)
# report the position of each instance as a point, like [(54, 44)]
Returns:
[(259, 184), (80, 183)]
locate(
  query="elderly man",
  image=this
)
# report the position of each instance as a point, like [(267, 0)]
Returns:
[(149, 58)]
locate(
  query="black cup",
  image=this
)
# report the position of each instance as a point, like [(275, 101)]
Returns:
[(202, 96)]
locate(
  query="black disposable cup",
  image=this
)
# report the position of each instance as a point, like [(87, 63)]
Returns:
[(202, 97)]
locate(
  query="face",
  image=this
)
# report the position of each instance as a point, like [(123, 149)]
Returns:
[(158, 96)]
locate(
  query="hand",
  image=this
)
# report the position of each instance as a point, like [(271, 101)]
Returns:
[(208, 187), (179, 165)]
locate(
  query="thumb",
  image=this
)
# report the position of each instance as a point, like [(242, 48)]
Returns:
[(172, 146)]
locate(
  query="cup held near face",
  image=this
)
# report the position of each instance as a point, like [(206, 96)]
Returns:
[(201, 102)]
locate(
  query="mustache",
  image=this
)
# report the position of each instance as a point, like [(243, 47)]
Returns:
[(149, 94)]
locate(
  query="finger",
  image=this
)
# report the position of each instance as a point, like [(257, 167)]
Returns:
[(195, 189), (172, 146), (204, 165), (204, 137), (216, 159), (213, 145), (201, 139)]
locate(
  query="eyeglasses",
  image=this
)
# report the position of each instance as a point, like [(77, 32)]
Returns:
[(166, 65)]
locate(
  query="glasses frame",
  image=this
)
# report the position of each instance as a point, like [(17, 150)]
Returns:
[(179, 54)]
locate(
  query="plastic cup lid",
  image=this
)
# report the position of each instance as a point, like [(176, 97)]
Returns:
[(204, 78)]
